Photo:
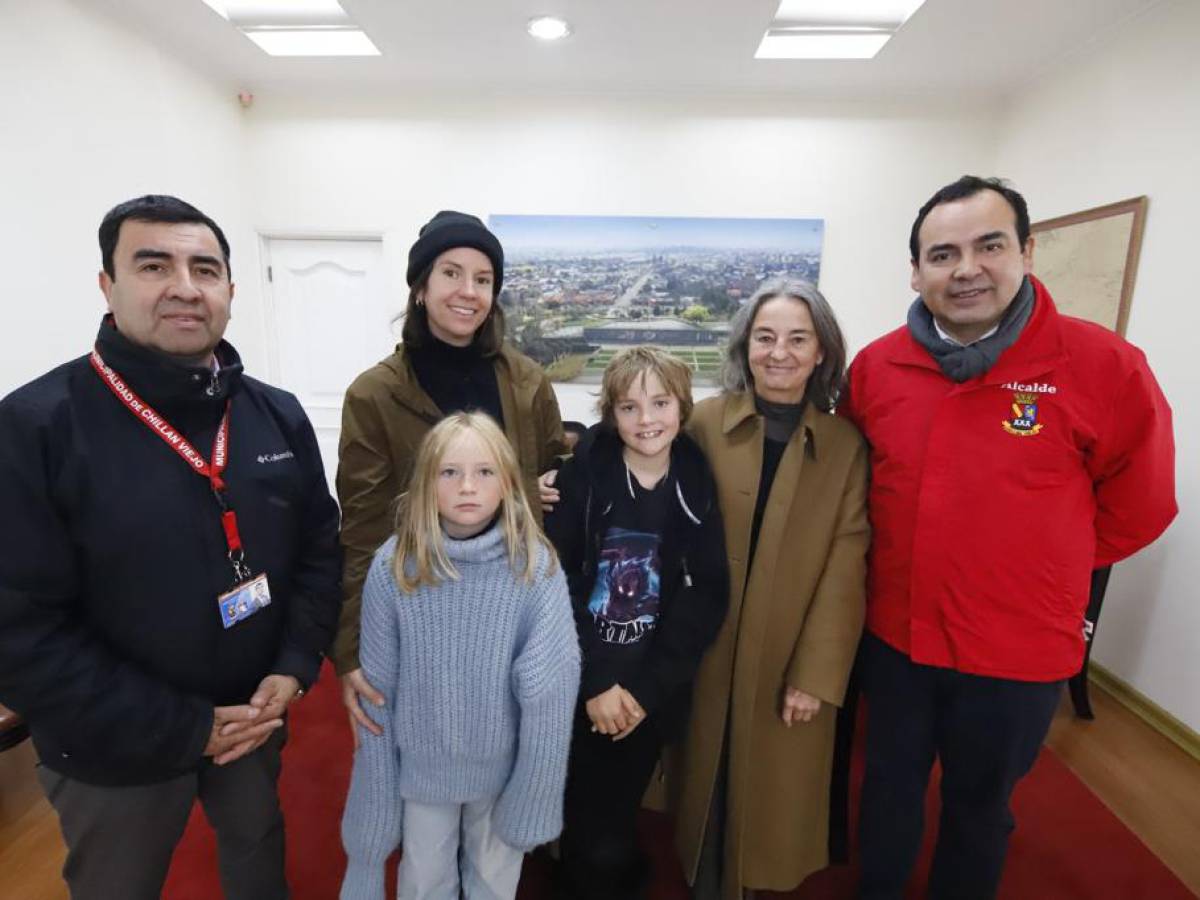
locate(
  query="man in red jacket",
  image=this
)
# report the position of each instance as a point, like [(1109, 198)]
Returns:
[(1013, 451)]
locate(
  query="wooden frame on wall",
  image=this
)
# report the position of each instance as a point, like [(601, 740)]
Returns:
[(1089, 260)]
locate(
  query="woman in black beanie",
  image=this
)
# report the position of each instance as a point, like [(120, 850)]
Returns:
[(453, 358)]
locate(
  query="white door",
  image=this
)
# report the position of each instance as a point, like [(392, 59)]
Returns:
[(329, 316)]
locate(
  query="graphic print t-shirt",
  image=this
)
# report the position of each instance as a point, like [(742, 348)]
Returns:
[(625, 598)]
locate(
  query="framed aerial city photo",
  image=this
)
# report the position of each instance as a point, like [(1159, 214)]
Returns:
[(579, 288), (1089, 260)]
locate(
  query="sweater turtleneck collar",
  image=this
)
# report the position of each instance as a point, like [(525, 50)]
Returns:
[(483, 547), (448, 354), (781, 418), (161, 379)]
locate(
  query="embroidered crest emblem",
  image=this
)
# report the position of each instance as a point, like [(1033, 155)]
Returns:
[(1024, 421)]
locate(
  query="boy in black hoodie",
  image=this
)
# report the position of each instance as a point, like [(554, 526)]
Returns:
[(641, 542)]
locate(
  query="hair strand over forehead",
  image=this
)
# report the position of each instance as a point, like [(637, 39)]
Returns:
[(629, 365)]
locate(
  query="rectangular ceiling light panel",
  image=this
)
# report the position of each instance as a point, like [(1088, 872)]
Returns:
[(313, 42), (833, 29), (292, 13), (815, 45), (889, 14)]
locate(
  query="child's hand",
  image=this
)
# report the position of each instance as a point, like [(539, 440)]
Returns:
[(633, 712), (609, 712)]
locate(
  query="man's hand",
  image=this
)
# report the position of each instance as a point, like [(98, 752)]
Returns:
[(238, 730), (355, 685), (547, 492), (275, 693), (798, 706), (614, 712)]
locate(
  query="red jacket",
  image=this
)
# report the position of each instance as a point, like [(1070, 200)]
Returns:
[(992, 500)]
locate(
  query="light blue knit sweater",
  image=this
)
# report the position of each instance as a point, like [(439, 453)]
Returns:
[(480, 676)]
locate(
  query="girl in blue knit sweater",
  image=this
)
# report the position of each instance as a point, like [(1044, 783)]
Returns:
[(467, 631)]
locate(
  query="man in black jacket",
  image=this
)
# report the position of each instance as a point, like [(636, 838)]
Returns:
[(169, 576)]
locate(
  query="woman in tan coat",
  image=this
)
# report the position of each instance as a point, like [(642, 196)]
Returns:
[(750, 785), (454, 358)]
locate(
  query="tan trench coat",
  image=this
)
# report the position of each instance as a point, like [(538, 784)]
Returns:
[(795, 621), (384, 418)]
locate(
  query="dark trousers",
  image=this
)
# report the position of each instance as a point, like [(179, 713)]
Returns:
[(120, 839), (985, 731), (606, 780)]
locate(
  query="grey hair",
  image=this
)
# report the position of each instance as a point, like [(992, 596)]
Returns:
[(825, 383)]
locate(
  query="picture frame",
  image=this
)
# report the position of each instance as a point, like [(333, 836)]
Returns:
[(1088, 260)]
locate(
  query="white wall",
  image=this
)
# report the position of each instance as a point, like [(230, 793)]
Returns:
[(388, 167), (93, 115), (1119, 120)]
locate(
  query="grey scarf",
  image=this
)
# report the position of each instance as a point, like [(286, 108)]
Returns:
[(964, 363)]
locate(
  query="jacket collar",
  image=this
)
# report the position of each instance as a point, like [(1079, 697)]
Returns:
[(1038, 349), (739, 407), (162, 380)]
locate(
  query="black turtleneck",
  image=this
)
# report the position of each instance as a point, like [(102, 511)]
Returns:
[(780, 421), (458, 379)]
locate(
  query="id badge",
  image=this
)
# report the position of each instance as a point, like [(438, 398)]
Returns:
[(244, 600)]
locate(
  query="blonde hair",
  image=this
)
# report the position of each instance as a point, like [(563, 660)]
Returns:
[(420, 544), (624, 368)]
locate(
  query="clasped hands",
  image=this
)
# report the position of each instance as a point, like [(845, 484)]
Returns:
[(240, 730), (615, 712)]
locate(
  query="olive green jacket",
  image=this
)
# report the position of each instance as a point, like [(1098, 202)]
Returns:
[(384, 418)]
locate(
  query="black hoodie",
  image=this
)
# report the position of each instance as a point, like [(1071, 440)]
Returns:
[(694, 587)]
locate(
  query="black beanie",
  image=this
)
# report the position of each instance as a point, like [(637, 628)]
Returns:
[(450, 229)]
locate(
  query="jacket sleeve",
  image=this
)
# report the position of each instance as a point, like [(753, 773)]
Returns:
[(545, 680), (690, 621), (373, 819), (54, 670), (315, 598), (1133, 468), (824, 652), (367, 486), (552, 443)]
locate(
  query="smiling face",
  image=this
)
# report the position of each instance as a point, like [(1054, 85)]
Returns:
[(970, 263), (647, 418), (469, 486), (170, 290), (783, 350), (458, 295)]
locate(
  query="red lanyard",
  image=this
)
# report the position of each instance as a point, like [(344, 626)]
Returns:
[(146, 414)]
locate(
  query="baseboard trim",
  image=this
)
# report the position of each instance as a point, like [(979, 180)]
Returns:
[(1146, 710)]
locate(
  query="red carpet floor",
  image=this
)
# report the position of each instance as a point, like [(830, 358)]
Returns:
[(1067, 844)]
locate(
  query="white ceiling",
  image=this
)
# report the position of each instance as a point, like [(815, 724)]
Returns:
[(951, 50)]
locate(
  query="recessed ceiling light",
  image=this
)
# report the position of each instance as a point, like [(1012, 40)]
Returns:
[(548, 28), (314, 42), (821, 44)]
